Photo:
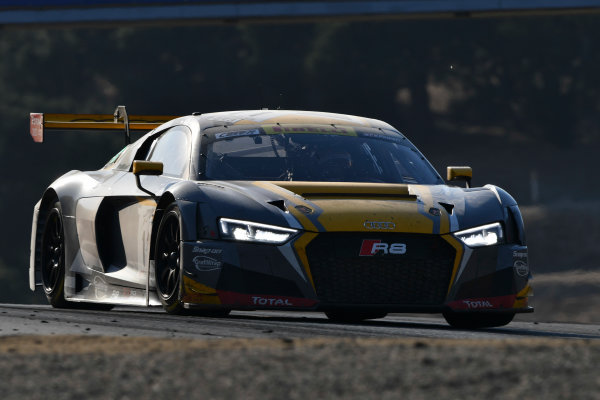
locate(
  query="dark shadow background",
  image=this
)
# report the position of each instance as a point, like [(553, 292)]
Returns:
[(516, 98)]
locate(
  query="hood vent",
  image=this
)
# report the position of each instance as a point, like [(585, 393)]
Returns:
[(448, 207), (279, 204)]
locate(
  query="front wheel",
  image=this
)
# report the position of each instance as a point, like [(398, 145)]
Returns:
[(167, 261), (477, 320), (53, 258)]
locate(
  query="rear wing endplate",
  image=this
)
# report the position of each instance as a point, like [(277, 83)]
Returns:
[(118, 121)]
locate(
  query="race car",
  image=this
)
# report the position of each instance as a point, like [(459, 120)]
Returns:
[(276, 209)]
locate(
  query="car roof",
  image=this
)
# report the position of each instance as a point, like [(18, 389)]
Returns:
[(263, 117)]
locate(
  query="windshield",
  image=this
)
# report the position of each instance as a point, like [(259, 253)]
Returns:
[(345, 156)]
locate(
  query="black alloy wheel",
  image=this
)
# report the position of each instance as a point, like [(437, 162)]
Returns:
[(53, 258), (168, 261)]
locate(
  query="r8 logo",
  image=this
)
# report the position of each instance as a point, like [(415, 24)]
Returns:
[(371, 247)]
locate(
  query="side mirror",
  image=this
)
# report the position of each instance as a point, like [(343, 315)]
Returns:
[(460, 174), (146, 168)]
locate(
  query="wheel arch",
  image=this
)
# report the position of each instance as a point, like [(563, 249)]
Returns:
[(41, 210), (164, 201)]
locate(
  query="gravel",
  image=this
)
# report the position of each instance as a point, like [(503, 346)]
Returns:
[(75, 367)]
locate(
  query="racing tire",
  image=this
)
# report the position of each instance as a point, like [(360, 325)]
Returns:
[(53, 264), (53, 259), (167, 261), (477, 320), (352, 317)]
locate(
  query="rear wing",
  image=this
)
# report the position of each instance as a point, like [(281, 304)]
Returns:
[(118, 121)]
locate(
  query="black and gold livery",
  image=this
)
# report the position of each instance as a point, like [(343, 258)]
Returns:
[(280, 210)]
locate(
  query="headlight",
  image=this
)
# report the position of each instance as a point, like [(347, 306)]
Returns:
[(486, 235), (254, 232)]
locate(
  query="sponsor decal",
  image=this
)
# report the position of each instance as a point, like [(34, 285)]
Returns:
[(234, 298), (521, 267), (206, 250), (485, 303), (270, 301), (379, 225), (474, 304), (391, 138), (100, 288), (128, 292), (435, 212), (304, 209), (521, 264), (205, 263), (371, 247), (519, 254), (227, 135), (326, 129)]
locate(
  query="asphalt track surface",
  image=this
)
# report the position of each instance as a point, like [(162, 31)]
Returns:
[(153, 322)]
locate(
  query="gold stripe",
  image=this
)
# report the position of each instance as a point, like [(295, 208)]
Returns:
[(300, 243), (522, 298), (197, 293), (350, 215), (426, 196), (300, 246), (526, 292), (444, 220), (146, 202), (457, 259)]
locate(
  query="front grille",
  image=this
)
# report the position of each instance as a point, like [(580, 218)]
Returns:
[(419, 277)]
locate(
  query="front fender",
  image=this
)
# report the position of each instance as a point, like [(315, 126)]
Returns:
[(34, 272), (205, 203)]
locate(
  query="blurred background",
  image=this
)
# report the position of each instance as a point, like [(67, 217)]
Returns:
[(515, 97)]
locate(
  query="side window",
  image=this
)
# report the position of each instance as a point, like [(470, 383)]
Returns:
[(113, 160), (123, 162), (172, 148)]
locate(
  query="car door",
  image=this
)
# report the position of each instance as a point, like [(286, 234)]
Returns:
[(121, 218)]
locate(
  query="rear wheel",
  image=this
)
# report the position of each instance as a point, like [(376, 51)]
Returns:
[(53, 264), (167, 261), (350, 316), (477, 320), (53, 258)]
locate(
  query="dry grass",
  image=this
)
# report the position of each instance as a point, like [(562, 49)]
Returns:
[(563, 236), (570, 296), (81, 344)]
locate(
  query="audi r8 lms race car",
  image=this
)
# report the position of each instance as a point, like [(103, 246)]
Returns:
[(273, 209)]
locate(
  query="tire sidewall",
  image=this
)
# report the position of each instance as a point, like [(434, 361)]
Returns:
[(173, 304), (55, 295)]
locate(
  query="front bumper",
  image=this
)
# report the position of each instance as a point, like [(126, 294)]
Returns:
[(327, 272)]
